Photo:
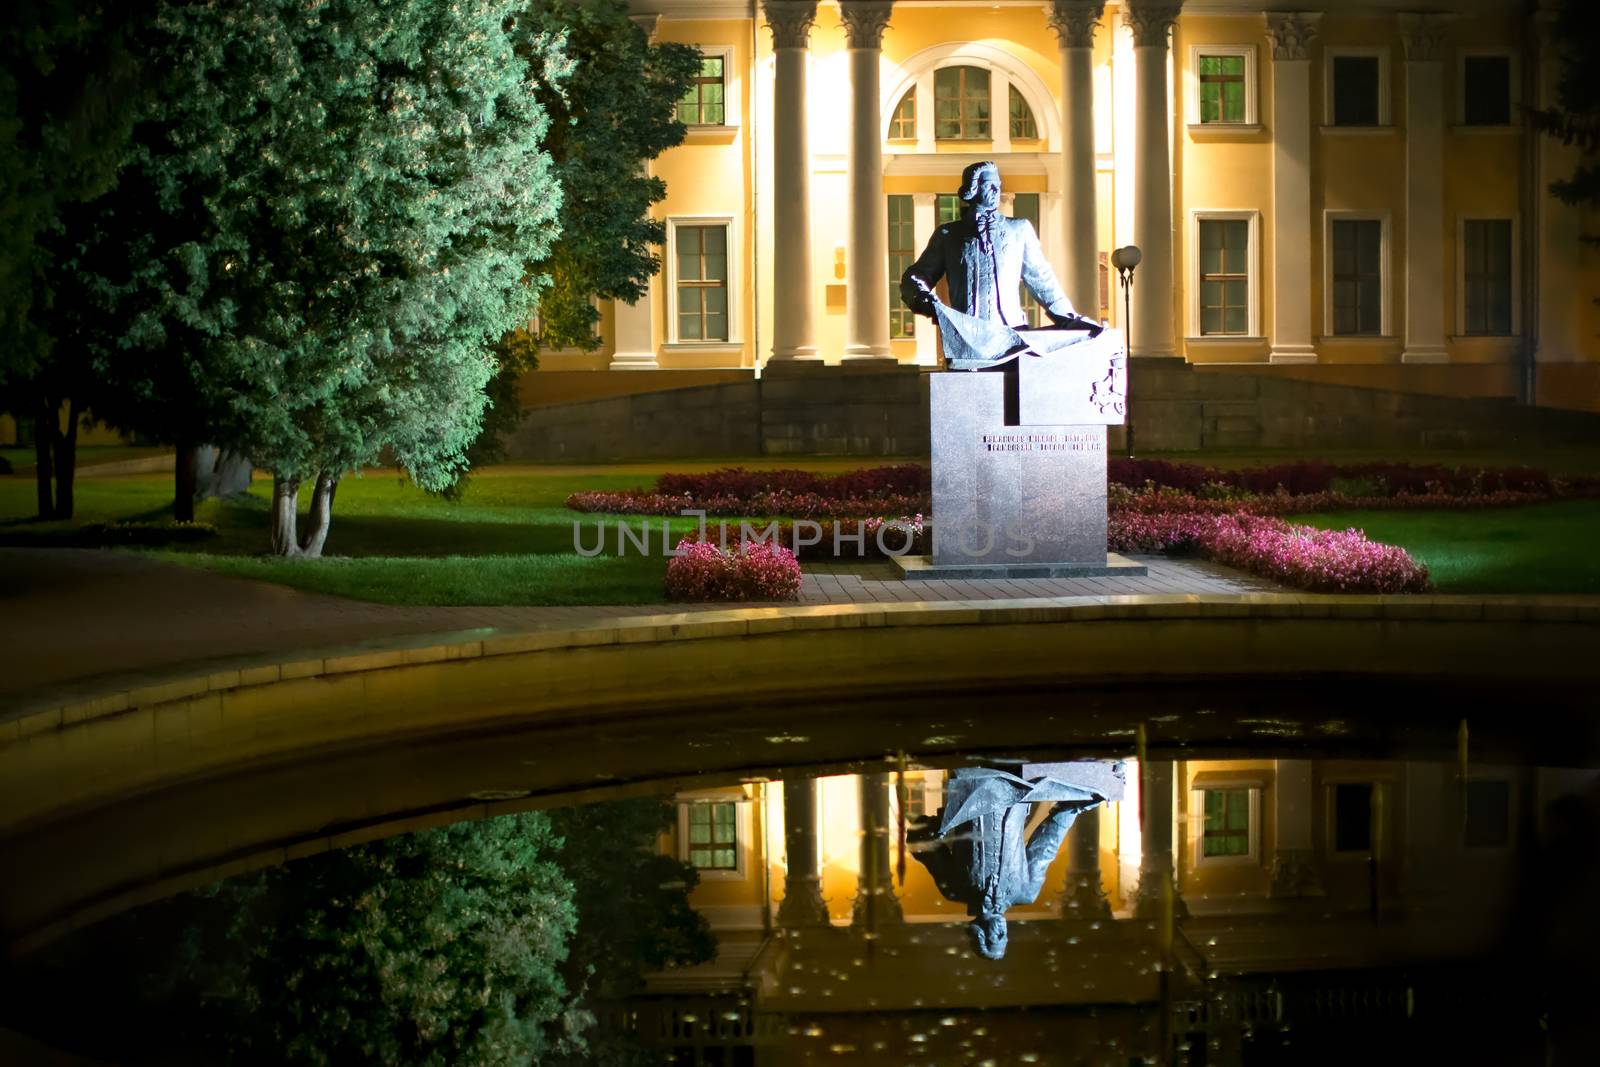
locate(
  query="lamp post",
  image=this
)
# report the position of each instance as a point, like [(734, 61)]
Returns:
[(1125, 259)]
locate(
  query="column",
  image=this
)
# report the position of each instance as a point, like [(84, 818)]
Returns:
[(1153, 333), (1075, 22), (1423, 269), (1560, 293), (1295, 870), (924, 209), (1084, 898), (1157, 843), (1292, 35), (866, 295), (875, 903), (802, 903), (793, 330)]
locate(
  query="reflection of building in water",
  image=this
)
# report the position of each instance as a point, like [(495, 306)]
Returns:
[(1302, 888)]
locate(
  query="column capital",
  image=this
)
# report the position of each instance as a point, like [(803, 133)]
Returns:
[(864, 21), (1292, 33), (790, 21), (1075, 21), (1151, 22), (1423, 36)]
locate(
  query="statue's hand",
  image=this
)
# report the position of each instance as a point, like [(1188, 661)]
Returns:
[(1077, 322), (922, 304)]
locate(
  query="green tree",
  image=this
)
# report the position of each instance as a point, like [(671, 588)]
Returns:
[(70, 85), (346, 194), (618, 111), (1575, 116)]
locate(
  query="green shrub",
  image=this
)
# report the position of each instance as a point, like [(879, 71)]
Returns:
[(143, 534)]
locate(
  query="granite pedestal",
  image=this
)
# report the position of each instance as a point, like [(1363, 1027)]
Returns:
[(1019, 467)]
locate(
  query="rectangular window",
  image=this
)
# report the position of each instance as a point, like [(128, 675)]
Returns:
[(714, 835), (947, 209), (1357, 276), (1488, 814), (1486, 90), (1224, 277), (1352, 817), (1356, 91), (1026, 206), (1222, 88), (1486, 274), (702, 282), (961, 104), (1227, 825), (902, 253), (703, 104)]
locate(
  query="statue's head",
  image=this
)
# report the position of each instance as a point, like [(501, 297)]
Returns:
[(980, 186), (989, 931)]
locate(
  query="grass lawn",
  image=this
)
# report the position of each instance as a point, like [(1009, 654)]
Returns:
[(509, 540), (1543, 548)]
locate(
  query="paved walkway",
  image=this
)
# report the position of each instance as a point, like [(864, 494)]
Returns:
[(73, 621)]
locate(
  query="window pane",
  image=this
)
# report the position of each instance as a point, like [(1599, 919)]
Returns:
[(1210, 294), (689, 321), (1236, 238), (689, 239), (949, 208), (716, 300), (1486, 90), (1210, 320), (1232, 65), (1352, 817), (1355, 90), (1235, 321), (1371, 298), (1022, 124), (904, 123), (1233, 102)]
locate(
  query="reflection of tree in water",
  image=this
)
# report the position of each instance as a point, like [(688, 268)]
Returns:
[(479, 943)]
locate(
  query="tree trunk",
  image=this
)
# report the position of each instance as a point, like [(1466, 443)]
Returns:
[(184, 468), (321, 515), (66, 449), (285, 492), (44, 435)]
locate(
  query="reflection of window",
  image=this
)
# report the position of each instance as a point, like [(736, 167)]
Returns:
[(1026, 206), (1224, 277), (1486, 275), (902, 252), (1356, 82), (903, 123), (1352, 817), (1357, 264), (701, 257), (714, 835), (1488, 814), (1023, 128), (1486, 90), (702, 104), (1222, 88), (1227, 823), (961, 104), (947, 209)]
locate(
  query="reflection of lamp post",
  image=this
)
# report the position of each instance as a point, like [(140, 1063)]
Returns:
[(1125, 259)]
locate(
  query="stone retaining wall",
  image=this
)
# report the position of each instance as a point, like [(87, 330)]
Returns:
[(883, 411)]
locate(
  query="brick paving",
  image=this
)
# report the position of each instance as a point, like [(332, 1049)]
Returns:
[(75, 621)]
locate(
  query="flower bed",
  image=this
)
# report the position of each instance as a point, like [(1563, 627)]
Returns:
[(750, 570), (827, 540)]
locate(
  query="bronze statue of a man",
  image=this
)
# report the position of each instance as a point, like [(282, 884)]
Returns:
[(985, 257)]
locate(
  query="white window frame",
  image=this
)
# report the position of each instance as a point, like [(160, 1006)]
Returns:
[(1381, 53), (1197, 836), (1385, 267), (735, 342), (1515, 76), (1461, 276), (743, 830), (1254, 262), (730, 89), (1252, 116)]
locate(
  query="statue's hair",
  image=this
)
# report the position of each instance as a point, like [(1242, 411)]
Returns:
[(969, 179)]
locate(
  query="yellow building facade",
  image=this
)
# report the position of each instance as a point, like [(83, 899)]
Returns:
[(1346, 188)]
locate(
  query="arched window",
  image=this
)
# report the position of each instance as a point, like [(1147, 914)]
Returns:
[(1023, 128), (961, 104), (903, 123)]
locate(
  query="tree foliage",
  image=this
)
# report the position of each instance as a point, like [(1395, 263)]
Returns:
[(343, 199), (1575, 117)]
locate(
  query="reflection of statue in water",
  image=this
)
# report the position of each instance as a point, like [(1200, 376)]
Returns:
[(985, 258), (977, 850)]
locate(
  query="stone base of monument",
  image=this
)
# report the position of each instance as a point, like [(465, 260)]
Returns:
[(923, 568), (1019, 466)]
